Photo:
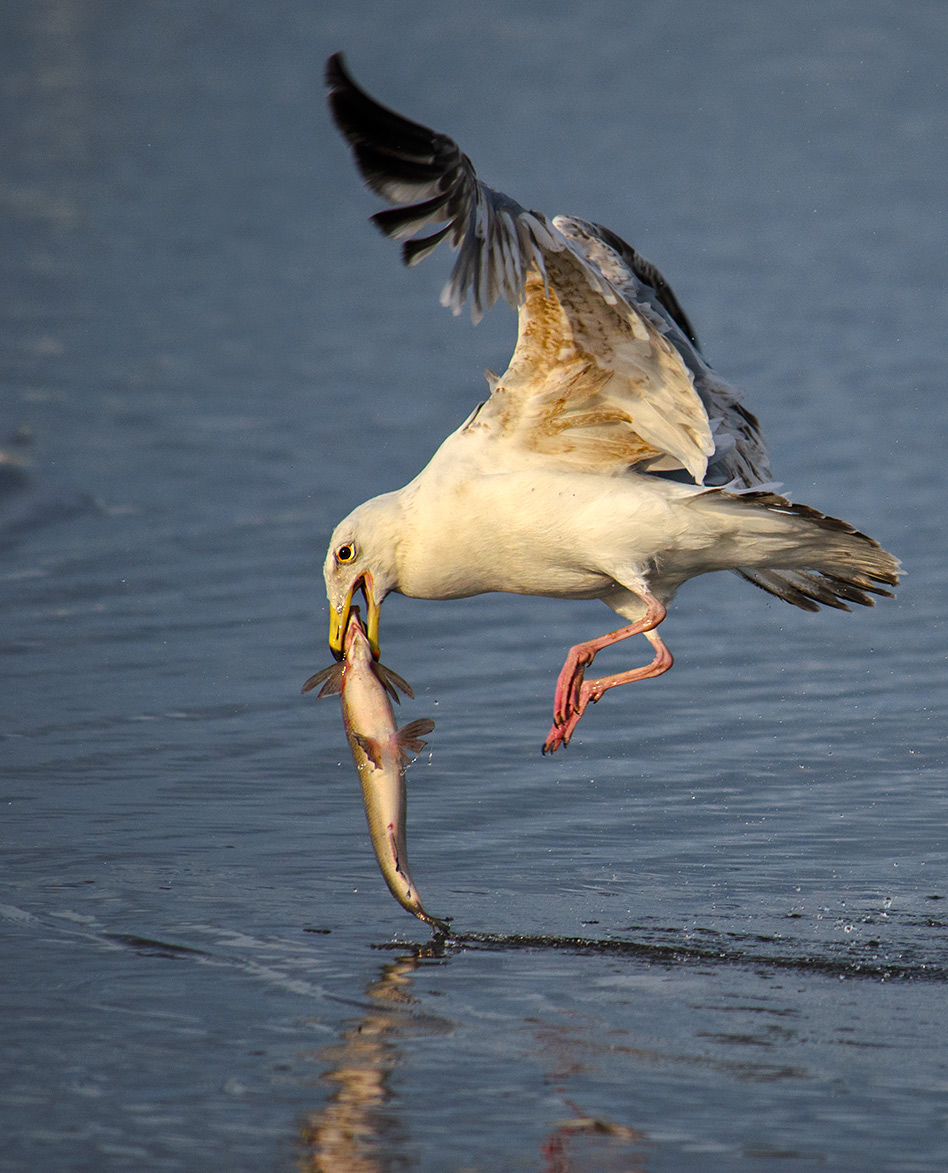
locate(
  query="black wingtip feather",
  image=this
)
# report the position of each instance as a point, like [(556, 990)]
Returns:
[(414, 251), (360, 118), (392, 220), (376, 159)]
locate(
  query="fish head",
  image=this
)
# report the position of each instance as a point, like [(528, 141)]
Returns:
[(356, 646)]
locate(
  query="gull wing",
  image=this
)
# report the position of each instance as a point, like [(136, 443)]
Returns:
[(606, 373)]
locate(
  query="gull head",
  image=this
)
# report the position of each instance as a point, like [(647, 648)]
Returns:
[(361, 557)]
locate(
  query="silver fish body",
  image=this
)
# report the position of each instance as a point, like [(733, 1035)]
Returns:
[(380, 751)]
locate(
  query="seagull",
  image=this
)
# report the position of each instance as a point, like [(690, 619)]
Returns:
[(609, 461)]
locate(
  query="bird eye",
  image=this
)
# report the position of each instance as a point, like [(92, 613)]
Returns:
[(345, 553)]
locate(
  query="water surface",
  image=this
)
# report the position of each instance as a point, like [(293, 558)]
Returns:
[(711, 934)]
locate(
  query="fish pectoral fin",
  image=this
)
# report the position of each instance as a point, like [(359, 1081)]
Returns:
[(391, 682), (333, 681), (410, 736), (370, 747)]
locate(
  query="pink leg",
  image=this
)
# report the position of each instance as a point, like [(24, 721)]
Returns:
[(573, 693)]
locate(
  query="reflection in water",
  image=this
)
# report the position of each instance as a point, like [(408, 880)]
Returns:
[(581, 1141), (560, 1147), (360, 1129), (355, 1131)]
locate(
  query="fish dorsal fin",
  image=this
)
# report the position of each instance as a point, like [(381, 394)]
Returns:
[(410, 737), (333, 681), (391, 681), (370, 747)]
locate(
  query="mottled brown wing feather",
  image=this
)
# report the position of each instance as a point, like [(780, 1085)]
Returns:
[(593, 386)]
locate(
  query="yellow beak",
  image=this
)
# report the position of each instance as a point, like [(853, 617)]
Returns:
[(339, 620)]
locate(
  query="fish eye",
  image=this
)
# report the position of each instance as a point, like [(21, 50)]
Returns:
[(345, 553)]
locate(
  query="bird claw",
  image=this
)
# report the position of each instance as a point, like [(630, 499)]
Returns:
[(574, 692), (554, 739), (565, 724), (568, 697)]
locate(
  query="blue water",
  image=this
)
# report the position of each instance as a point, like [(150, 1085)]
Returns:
[(709, 935)]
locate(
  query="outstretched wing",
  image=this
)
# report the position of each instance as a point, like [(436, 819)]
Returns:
[(606, 373), (431, 182)]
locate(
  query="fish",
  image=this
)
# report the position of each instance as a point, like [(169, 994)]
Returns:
[(381, 754)]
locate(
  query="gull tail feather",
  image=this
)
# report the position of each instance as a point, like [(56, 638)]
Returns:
[(821, 560)]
